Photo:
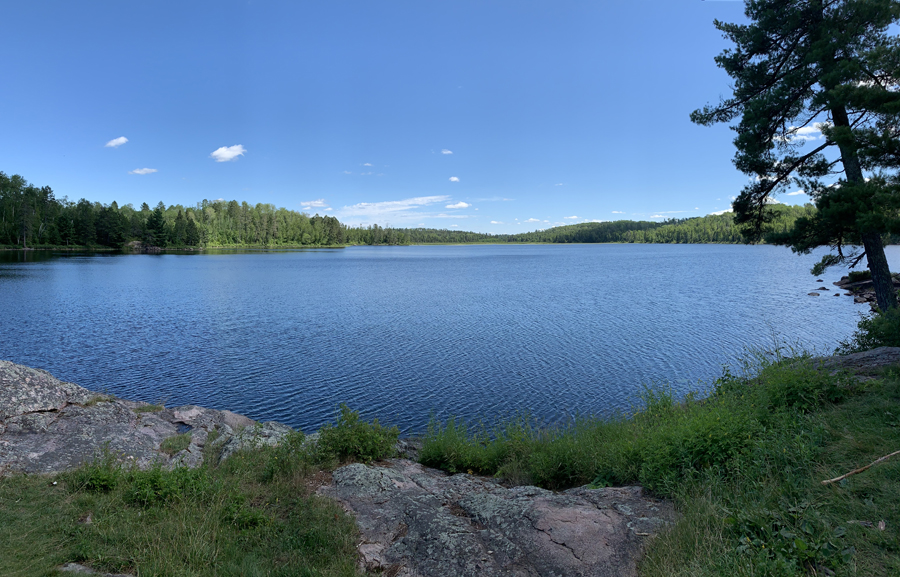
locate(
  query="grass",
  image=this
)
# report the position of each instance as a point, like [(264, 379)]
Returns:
[(149, 409), (744, 466), (254, 514), (175, 443)]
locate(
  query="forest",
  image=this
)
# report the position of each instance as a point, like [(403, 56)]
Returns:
[(714, 228), (32, 216)]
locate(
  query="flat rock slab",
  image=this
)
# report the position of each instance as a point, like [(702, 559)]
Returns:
[(416, 521), (864, 363), (48, 426)]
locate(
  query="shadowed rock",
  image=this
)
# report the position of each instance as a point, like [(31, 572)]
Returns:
[(47, 426), (416, 521), (864, 363)]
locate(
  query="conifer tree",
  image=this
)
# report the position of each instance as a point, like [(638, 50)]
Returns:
[(804, 67)]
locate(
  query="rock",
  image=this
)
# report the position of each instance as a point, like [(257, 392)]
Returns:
[(860, 300), (48, 426), (821, 288), (819, 280), (837, 294), (265, 434), (813, 294), (78, 569), (866, 362), (416, 521)]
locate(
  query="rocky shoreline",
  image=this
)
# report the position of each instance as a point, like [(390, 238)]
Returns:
[(412, 520), (862, 291)]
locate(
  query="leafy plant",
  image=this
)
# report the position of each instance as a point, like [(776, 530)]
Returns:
[(352, 438), (880, 329)]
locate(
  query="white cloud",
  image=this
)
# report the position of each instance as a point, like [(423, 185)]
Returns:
[(558, 184), (228, 153), (696, 208), (595, 220), (348, 172), (570, 217), (367, 164), (657, 216), (796, 193), (618, 212), (454, 225), (533, 220), (116, 142), (496, 222), (445, 151), (143, 171), (454, 179), (318, 203), (720, 212), (395, 211), (459, 204)]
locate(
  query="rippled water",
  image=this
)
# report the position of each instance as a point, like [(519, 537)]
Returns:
[(400, 332)]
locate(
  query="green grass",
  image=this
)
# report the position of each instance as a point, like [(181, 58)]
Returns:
[(744, 466), (254, 514), (149, 409), (175, 443)]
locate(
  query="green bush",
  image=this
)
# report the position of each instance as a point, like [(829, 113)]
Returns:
[(157, 486), (878, 330), (101, 475), (860, 275), (351, 438)]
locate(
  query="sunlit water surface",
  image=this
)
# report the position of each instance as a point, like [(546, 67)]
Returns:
[(404, 332)]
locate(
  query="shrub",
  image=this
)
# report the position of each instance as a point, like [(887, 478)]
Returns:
[(101, 475), (158, 487), (878, 330), (860, 275), (351, 438)]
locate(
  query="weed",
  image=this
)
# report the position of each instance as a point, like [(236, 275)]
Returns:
[(175, 443), (352, 438), (149, 409)]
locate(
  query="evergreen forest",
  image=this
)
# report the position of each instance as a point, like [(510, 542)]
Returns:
[(33, 216)]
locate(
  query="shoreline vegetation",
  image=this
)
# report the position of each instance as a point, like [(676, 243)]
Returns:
[(33, 217), (743, 462)]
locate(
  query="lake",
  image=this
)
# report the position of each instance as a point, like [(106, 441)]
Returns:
[(401, 333)]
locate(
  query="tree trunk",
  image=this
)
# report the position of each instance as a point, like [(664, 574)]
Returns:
[(878, 266)]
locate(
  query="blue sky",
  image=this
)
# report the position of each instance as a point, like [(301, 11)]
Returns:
[(486, 116)]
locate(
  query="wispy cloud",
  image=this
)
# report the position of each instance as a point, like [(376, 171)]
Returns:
[(558, 184), (496, 222), (116, 142), (394, 211), (454, 179), (367, 164), (571, 217), (318, 203), (143, 171), (445, 151), (533, 220), (618, 212), (796, 193), (348, 172), (459, 204), (228, 153), (720, 212)]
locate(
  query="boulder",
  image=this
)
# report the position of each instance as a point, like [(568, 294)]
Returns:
[(865, 363), (48, 426), (416, 521), (813, 294)]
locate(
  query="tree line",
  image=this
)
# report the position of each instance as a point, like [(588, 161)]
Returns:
[(34, 216), (714, 228)]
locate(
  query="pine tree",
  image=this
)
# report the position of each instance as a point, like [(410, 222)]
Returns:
[(807, 66)]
